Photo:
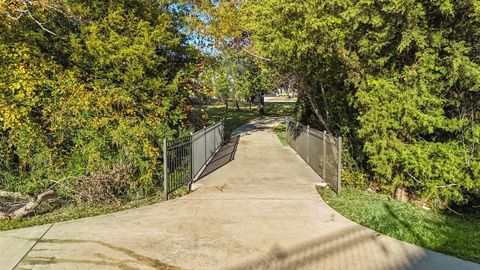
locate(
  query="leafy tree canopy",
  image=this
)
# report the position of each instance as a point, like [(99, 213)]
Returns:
[(85, 85), (400, 80)]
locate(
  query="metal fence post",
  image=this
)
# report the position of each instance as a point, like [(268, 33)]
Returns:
[(205, 142), (339, 173), (308, 144), (191, 164), (165, 169), (324, 155), (287, 136), (296, 140), (286, 125), (192, 155)]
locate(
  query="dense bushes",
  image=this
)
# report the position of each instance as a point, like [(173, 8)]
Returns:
[(99, 86)]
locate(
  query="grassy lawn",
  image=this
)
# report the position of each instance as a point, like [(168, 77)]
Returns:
[(441, 231), (235, 119), (281, 133)]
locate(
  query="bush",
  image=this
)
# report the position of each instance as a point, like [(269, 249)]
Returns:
[(101, 94), (114, 185)]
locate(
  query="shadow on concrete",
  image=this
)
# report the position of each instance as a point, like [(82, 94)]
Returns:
[(353, 247), (256, 126), (222, 157), (312, 254), (129, 258)]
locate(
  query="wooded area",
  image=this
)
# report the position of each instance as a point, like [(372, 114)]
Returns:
[(88, 89), (399, 80)]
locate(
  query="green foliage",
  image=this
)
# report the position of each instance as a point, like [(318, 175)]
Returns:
[(399, 80), (354, 178), (232, 76), (445, 232), (418, 100), (281, 132), (104, 89)]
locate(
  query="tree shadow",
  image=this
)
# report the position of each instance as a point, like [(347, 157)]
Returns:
[(318, 253), (256, 126), (403, 224), (354, 247), (444, 237)]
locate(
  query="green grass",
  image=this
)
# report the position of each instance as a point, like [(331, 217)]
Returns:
[(281, 133), (235, 119), (434, 229)]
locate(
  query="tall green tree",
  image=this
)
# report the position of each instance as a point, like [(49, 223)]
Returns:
[(89, 84), (399, 79)]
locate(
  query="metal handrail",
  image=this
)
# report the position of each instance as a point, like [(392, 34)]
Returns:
[(319, 150), (181, 163)]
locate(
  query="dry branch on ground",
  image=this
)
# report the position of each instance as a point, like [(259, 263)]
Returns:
[(20, 205)]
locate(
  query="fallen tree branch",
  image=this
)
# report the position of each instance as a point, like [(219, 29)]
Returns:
[(32, 204), (14, 195)]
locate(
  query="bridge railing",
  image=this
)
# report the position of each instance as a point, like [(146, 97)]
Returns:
[(321, 151), (184, 158)]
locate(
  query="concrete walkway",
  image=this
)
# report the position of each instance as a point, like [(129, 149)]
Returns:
[(256, 209)]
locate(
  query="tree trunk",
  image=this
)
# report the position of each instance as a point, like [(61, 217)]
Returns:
[(236, 104), (261, 108), (325, 105), (313, 103), (224, 100)]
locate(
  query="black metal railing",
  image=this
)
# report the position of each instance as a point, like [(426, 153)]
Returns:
[(178, 164), (184, 158)]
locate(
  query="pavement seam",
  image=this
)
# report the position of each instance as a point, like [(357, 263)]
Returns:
[(31, 248)]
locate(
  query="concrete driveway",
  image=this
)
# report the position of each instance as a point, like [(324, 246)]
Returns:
[(256, 208)]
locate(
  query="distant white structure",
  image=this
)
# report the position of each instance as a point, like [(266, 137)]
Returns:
[(281, 95), (286, 92)]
